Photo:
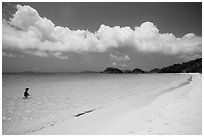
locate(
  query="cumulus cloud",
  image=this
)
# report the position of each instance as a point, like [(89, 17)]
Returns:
[(36, 53), (30, 33), (60, 56), (114, 64), (119, 58), (8, 55), (120, 65), (125, 65)]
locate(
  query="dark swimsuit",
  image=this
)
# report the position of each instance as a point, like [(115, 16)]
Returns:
[(26, 94)]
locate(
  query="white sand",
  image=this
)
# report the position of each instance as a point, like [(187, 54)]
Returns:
[(173, 109)]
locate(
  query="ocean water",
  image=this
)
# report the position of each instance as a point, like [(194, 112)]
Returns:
[(58, 97)]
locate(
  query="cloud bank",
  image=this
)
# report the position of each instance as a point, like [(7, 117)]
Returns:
[(30, 33), (119, 58)]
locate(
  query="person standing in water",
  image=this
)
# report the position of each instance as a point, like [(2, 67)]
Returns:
[(26, 93)]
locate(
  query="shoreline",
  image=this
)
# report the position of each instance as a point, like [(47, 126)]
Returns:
[(141, 115)]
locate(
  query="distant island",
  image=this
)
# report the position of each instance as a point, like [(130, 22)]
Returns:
[(116, 70), (193, 66)]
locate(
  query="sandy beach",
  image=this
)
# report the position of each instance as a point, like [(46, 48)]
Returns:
[(175, 108)]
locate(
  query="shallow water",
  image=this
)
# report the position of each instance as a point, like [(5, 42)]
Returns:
[(57, 97)]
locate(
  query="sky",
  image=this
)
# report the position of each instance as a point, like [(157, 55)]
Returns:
[(75, 37)]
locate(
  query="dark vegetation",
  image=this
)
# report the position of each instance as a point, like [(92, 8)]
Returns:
[(193, 66)]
